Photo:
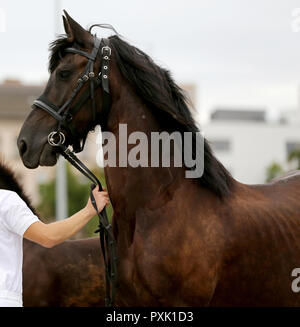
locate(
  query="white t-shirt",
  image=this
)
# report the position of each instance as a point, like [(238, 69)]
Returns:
[(15, 218)]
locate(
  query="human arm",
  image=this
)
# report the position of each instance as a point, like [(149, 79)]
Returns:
[(49, 235)]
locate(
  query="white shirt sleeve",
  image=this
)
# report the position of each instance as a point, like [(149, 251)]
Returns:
[(15, 214)]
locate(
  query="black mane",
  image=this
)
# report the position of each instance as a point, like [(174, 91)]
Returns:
[(8, 181), (156, 87), (56, 51)]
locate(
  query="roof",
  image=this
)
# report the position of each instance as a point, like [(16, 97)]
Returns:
[(238, 115), (16, 99)]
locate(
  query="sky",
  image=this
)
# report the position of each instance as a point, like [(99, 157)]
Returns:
[(238, 53)]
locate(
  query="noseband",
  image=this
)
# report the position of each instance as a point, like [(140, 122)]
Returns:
[(64, 116), (65, 113)]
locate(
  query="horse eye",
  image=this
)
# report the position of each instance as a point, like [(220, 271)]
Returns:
[(64, 74)]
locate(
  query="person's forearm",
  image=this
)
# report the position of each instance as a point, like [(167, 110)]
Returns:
[(60, 231), (49, 235), (55, 233)]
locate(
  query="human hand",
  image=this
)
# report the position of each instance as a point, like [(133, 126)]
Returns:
[(101, 198)]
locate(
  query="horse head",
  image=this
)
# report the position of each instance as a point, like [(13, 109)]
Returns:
[(67, 110)]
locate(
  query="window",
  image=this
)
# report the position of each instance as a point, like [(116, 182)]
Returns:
[(220, 145), (292, 146)]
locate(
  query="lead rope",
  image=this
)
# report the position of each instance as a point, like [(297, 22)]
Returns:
[(107, 239)]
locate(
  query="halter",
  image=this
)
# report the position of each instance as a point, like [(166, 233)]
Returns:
[(64, 116)]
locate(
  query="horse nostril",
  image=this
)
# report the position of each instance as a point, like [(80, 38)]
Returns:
[(22, 147)]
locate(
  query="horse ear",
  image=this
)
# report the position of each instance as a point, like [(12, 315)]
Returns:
[(68, 30), (75, 32)]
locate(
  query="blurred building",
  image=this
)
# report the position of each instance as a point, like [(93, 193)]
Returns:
[(15, 102), (247, 143), (191, 91)]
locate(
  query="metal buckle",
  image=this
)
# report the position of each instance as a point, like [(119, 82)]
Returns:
[(67, 151), (51, 139), (106, 48)]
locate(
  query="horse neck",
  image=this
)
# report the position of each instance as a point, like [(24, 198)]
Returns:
[(132, 189)]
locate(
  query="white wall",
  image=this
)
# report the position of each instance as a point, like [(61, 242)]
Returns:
[(254, 146)]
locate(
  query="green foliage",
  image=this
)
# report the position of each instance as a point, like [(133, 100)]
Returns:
[(295, 155), (274, 170), (78, 193)]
